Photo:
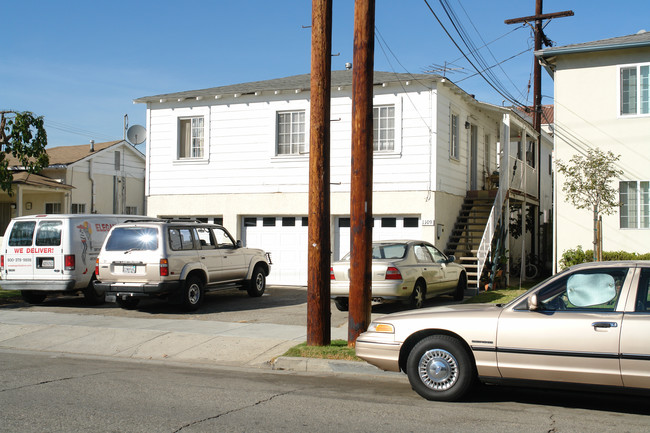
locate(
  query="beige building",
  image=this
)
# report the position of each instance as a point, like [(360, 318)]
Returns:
[(105, 178), (602, 100)]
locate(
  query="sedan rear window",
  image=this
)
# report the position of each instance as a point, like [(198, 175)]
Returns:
[(388, 251), (132, 238)]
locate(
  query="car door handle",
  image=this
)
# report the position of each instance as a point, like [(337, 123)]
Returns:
[(604, 325)]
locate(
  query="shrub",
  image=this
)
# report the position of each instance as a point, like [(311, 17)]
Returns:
[(575, 256)]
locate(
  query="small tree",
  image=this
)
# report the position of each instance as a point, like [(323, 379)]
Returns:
[(22, 135), (588, 184)]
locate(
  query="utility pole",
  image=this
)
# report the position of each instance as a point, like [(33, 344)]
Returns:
[(318, 282), (540, 38), (361, 181)]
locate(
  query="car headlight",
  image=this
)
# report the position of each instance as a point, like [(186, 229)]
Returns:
[(384, 328)]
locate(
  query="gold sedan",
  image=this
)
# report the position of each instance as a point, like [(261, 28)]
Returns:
[(586, 326)]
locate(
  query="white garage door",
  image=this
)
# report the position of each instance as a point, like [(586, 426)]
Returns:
[(384, 228), (286, 239)]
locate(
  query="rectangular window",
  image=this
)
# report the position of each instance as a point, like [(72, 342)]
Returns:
[(455, 139), (78, 208), (383, 128), (635, 90), (635, 204), (389, 222), (52, 208), (190, 142), (268, 222), (291, 132), (131, 210), (288, 221), (118, 160), (181, 239)]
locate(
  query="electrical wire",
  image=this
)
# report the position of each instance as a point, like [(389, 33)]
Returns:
[(505, 94)]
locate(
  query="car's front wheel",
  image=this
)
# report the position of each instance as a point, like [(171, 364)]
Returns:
[(440, 368), (257, 283), (459, 294), (192, 294)]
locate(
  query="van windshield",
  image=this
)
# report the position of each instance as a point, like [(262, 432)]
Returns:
[(132, 238), (22, 233)]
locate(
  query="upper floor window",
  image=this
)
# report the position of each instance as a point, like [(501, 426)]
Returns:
[(635, 204), (78, 208), (51, 208), (635, 90), (455, 138), (190, 142), (383, 128), (291, 132)]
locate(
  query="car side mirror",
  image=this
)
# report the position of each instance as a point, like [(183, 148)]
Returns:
[(239, 244), (532, 303), (451, 258)]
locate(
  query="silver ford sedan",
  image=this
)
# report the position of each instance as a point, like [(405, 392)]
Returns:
[(586, 326), (405, 270)]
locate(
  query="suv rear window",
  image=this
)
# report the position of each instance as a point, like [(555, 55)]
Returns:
[(22, 233), (132, 238)]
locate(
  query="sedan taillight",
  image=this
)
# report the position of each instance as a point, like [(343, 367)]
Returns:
[(392, 273), (332, 277)]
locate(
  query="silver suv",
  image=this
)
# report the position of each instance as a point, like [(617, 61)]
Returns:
[(178, 260)]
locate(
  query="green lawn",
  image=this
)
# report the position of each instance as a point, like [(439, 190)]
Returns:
[(9, 296)]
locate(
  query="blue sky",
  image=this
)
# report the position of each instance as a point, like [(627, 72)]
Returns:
[(80, 64)]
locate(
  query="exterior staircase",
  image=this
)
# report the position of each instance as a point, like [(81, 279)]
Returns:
[(468, 231)]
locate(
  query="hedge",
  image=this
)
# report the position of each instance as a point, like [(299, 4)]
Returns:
[(574, 256)]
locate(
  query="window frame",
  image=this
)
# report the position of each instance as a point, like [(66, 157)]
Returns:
[(305, 136), (57, 208), (640, 90), (377, 128), (454, 145), (637, 213), (184, 114)]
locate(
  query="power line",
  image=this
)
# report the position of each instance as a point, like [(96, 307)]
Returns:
[(478, 70)]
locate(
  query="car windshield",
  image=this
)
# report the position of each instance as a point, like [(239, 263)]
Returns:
[(385, 251), (132, 238)]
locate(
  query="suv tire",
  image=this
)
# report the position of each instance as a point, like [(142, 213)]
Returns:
[(257, 283), (193, 293)]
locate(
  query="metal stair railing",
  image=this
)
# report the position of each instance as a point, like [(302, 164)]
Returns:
[(490, 229)]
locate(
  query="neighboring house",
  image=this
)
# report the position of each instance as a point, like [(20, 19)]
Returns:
[(602, 100), (239, 154), (91, 178)]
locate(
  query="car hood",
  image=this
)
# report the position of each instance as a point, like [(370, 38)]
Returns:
[(445, 309)]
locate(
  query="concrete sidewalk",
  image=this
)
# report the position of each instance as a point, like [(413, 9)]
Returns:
[(187, 341)]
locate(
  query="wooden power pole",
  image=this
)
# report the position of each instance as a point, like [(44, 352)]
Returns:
[(361, 181), (318, 281), (540, 38)]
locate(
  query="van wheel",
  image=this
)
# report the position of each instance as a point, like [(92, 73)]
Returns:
[(92, 296), (128, 303), (32, 297), (257, 283), (192, 294)]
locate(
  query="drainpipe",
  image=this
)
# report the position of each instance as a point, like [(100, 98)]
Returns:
[(92, 186)]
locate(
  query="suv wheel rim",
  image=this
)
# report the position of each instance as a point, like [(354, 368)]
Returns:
[(438, 369), (194, 294), (259, 281)]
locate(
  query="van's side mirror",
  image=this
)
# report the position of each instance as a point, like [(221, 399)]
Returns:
[(532, 303)]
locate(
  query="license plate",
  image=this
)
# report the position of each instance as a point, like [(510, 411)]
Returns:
[(128, 269), (47, 263)]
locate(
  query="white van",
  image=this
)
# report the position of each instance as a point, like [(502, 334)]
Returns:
[(46, 254)]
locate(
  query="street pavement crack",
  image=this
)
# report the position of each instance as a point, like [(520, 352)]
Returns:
[(257, 403), (553, 428), (45, 382)]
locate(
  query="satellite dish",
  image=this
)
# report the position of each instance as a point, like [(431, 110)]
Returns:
[(136, 134)]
